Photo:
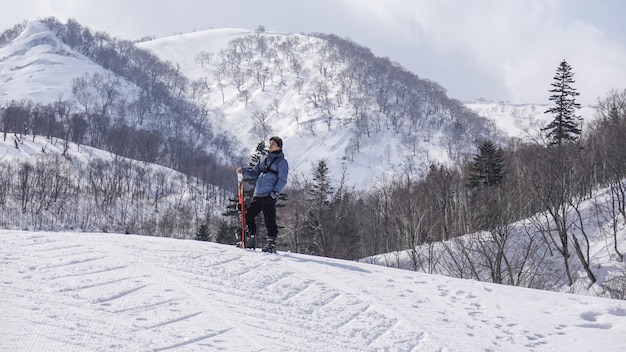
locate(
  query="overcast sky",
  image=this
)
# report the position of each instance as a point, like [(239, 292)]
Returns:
[(495, 49)]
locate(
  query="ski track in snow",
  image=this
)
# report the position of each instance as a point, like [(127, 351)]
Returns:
[(96, 292)]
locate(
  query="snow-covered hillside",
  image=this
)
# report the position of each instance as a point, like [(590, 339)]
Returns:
[(530, 262), (37, 66), (93, 190), (95, 292), (307, 139), (287, 104), (381, 155)]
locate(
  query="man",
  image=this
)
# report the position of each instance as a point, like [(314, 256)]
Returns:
[(271, 175)]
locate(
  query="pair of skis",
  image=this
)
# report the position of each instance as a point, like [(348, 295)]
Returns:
[(246, 241)]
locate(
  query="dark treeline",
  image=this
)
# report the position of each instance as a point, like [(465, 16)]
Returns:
[(25, 119)]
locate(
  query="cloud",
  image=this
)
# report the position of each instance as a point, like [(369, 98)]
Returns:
[(515, 46)]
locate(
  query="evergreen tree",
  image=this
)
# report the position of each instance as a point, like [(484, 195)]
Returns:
[(564, 128), (487, 167), (202, 234), (560, 178), (344, 216), (319, 222), (231, 207), (321, 182), (486, 174), (226, 233), (259, 153)]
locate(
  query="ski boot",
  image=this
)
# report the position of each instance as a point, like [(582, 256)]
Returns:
[(270, 247)]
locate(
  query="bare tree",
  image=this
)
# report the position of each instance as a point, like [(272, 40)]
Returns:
[(204, 58), (261, 127)]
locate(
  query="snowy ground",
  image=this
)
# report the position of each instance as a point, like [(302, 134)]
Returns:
[(110, 292)]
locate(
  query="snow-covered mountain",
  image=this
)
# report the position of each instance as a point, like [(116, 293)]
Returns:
[(287, 100), (278, 99), (95, 292), (300, 94)]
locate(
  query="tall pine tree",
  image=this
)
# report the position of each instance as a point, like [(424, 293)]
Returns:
[(559, 179), (564, 128), (487, 167), (202, 233), (486, 174), (317, 234)]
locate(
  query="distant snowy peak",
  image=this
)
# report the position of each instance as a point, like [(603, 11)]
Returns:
[(35, 34), (37, 66)]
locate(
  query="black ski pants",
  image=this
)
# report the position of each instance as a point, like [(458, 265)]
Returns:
[(267, 205)]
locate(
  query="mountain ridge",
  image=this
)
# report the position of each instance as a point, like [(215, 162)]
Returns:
[(349, 129), (334, 132)]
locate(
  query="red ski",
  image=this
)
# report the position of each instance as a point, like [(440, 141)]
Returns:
[(242, 211), (245, 240)]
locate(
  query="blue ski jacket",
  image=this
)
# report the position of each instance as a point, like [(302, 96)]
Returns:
[(271, 175)]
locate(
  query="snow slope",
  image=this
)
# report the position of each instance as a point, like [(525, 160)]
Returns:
[(96, 292)]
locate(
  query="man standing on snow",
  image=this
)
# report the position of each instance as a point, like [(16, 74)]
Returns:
[(271, 175)]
